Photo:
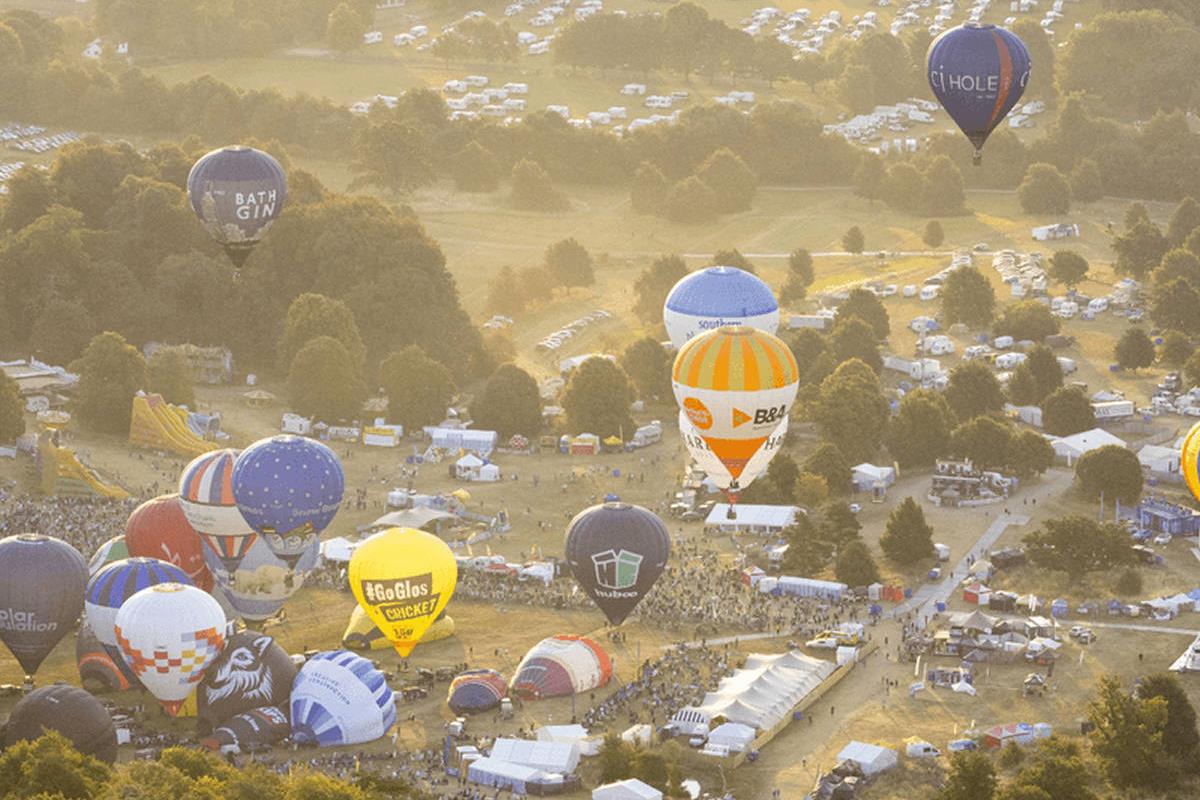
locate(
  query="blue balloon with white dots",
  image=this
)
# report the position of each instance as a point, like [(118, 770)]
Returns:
[(288, 489)]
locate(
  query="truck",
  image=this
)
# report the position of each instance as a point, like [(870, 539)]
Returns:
[(1113, 410)]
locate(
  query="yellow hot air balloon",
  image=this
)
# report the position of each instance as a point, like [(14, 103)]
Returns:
[(1189, 460), (735, 384), (403, 578)]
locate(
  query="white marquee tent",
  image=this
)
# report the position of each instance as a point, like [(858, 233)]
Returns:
[(628, 789), (871, 759), (561, 757)]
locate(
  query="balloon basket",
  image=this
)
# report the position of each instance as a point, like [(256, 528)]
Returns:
[(977, 159)]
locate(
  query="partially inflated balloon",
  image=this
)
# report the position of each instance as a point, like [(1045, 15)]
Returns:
[(288, 488), (340, 698), (735, 384), (716, 296), (616, 552), (707, 460), (403, 578), (262, 582), (253, 671), (168, 635), (71, 712), (158, 529), (42, 581), (112, 550), (1189, 460), (98, 671), (206, 496), (237, 192), (978, 73), (262, 727)]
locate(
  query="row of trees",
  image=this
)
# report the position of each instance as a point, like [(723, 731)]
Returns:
[(930, 187), (566, 264), (723, 184)]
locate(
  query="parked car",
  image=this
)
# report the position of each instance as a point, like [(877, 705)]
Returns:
[(1163, 538)]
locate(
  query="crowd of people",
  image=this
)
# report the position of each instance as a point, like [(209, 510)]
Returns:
[(83, 523), (678, 678)]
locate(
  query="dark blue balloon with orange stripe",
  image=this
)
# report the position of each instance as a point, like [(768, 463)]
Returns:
[(978, 73)]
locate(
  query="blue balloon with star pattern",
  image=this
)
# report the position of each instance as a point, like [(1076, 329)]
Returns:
[(288, 489)]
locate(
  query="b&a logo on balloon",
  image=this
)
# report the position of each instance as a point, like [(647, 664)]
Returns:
[(402, 599), (617, 572)]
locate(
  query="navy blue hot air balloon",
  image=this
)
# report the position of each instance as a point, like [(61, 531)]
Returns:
[(237, 192), (978, 73), (41, 595), (616, 552), (72, 712)]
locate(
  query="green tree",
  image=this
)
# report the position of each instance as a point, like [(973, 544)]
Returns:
[(1176, 349), (933, 235), (506, 293), (1027, 319), (1191, 369), (345, 29), (1046, 371), (1180, 738), (1140, 249), (1058, 770), (311, 315), (168, 374), (973, 391), (509, 404), (1134, 350), (29, 191), (800, 276), (419, 389), (853, 338), (533, 191), (1044, 191), (1184, 220), (732, 257), (855, 565), (648, 365), (1021, 791), (597, 399), (1178, 263), (691, 201), (654, 284), (1129, 583), (851, 411), (110, 372), (907, 538), (1030, 454), (983, 440), (967, 297), (1022, 387), (943, 188), (1110, 472), (324, 383), (648, 190), (828, 462), (570, 263), (12, 410), (1067, 411), (808, 552), (730, 179), (865, 306), (839, 525), (1087, 185), (1068, 268), (811, 490), (856, 88), (1172, 306), (971, 777), (392, 156), (920, 431), (853, 240), (869, 178), (61, 331), (1078, 545), (615, 758), (475, 169), (49, 767), (1127, 738), (650, 767)]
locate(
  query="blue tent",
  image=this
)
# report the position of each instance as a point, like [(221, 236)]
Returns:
[(1059, 608)]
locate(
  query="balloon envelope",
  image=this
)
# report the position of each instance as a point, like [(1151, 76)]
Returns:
[(978, 73), (1189, 460), (716, 296), (98, 670), (262, 583), (616, 552), (363, 634), (340, 698), (476, 690), (70, 711), (252, 671), (708, 461), (561, 665), (250, 730), (112, 550), (158, 529), (42, 581), (168, 635), (288, 488), (206, 497), (237, 192)]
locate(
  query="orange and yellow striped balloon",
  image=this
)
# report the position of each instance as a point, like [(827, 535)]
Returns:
[(735, 384), (1189, 460)]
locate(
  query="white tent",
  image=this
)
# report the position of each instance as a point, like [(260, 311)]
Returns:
[(1190, 660), (1163, 460), (571, 734), (503, 774), (339, 548), (871, 759), (488, 473), (734, 735), (481, 443), (417, 517), (628, 789), (751, 518), (561, 757), (1073, 447), (868, 477)]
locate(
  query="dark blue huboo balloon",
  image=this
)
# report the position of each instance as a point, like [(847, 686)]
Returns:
[(978, 73), (616, 552)]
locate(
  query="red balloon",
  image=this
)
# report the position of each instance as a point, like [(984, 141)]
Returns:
[(158, 529)]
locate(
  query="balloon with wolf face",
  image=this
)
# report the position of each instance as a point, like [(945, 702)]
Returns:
[(252, 672)]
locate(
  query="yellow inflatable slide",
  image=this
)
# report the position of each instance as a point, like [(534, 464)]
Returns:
[(158, 425), (63, 474)]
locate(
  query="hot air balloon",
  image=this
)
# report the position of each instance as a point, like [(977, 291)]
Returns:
[(475, 691), (111, 587), (978, 73), (262, 582), (1189, 460), (158, 529), (206, 496), (72, 712), (237, 192), (253, 671), (716, 296), (168, 635), (98, 671), (249, 731), (41, 595), (560, 666), (288, 488), (403, 578), (363, 634), (616, 552), (707, 460), (735, 384), (340, 698), (112, 550)]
